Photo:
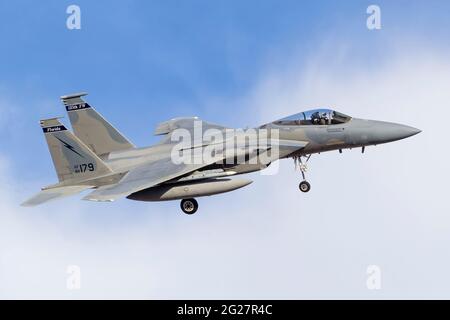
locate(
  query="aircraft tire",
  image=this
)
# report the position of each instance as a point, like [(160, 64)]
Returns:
[(304, 186), (189, 206)]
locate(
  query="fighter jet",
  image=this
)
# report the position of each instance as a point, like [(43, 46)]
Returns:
[(97, 157)]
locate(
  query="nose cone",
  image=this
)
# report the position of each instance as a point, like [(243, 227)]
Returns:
[(406, 131), (383, 132)]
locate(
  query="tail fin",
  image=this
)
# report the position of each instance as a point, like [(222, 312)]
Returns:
[(88, 125), (71, 157)]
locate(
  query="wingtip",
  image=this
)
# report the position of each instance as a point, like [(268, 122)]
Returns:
[(27, 204), (45, 121), (74, 95)]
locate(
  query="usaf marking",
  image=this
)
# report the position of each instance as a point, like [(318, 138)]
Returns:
[(76, 107)]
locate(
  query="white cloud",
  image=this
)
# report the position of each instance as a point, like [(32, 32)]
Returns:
[(387, 207)]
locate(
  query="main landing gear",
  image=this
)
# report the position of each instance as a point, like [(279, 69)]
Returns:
[(189, 206), (304, 186)]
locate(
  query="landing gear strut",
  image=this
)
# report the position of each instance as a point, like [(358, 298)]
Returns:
[(189, 206), (304, 186)]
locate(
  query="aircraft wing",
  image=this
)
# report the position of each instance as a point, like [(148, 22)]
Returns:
[(143, 177), (53, 194), (153, 173)]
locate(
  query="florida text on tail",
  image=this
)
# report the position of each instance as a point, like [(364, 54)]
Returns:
[(97, 157)]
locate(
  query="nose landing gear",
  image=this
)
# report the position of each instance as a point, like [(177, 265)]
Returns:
[(189, 206), (304, 186)]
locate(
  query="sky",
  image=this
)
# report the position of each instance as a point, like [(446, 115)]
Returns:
[(237, 63)]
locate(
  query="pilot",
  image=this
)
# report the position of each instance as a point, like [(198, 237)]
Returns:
[(324, 119), (319, 119), (315, 117)]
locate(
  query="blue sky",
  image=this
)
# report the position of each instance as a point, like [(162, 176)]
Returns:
[(144, 62), (161, 57)]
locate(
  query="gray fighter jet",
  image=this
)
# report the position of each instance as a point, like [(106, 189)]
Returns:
[(97, 156)]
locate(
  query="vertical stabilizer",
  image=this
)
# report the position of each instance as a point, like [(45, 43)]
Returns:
[(91, 128), (71, 157)]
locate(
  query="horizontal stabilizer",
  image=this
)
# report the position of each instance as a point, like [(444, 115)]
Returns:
[(53, 194)]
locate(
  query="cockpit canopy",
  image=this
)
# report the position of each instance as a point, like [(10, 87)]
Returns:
[(314, 117)]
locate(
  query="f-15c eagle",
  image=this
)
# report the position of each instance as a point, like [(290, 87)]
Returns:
[(97, 156)]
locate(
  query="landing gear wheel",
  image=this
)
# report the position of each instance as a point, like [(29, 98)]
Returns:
[(189, 206), (304, 186)]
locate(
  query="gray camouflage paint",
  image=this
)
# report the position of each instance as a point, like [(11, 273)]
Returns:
[(97, 141), (92, 129), (352, 134)]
